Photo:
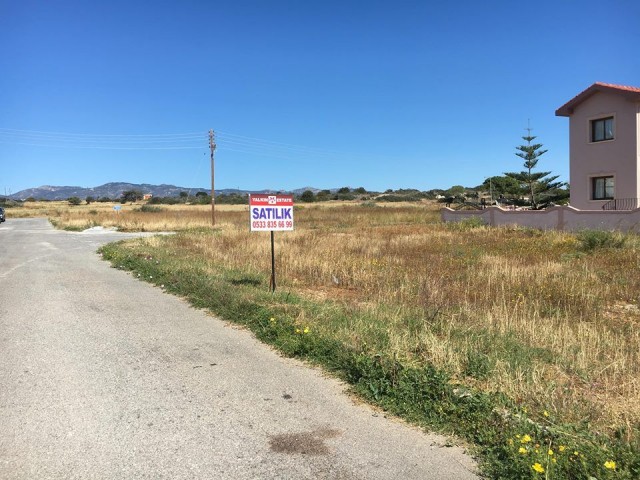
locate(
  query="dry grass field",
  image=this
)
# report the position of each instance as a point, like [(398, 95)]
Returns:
[(549, 319), (131, 217), (519, 311)]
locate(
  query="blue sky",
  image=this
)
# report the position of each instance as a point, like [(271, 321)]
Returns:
[(325, 94)]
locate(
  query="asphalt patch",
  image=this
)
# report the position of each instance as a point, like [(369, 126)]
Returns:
[(306, 443)]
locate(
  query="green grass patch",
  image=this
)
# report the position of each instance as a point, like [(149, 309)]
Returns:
[(150, 209), (590, 240), (469, 223), (512, 442)]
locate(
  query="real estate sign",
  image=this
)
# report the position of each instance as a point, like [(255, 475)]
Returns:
[(269, 213)]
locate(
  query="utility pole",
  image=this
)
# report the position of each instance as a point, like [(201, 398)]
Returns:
[(212, 147)]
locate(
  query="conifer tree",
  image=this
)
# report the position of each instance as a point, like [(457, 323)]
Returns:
[(534, 184)]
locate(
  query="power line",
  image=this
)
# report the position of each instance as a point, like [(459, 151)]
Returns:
[(96, 139), (270, 148), (195, 134), (49, 139), (263, 153), (98, 147), (225, 141), (240, 139)]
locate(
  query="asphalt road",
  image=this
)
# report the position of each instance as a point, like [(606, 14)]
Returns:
[(106, 377)]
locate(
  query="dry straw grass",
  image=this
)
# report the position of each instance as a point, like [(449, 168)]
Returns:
[(512, 310)]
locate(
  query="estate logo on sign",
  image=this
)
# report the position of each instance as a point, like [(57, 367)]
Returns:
[(271, 213)]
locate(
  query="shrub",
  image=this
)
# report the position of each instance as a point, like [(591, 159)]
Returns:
[(150, 209), (590, 240), (398, 198), (201, 199), (231, 199), (344, 196), (467, 224), (307, 196)]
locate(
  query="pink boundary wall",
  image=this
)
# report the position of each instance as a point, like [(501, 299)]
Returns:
[(554, 218)]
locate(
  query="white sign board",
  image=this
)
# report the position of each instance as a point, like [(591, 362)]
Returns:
[(271, 213)]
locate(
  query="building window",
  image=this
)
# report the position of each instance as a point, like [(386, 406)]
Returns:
[(602, 188), (602, 129)]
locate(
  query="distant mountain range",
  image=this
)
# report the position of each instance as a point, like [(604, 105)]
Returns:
[(114, 190)]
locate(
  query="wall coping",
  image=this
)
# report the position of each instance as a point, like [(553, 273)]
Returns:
[(509, 211), (562, 217)]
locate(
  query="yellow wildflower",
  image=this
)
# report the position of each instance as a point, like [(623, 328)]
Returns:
[(562, 448), (554, 460), (272, 320), (545, 413), (297, 330), (525, 439), (538, 468), (610, 464), (550, 452), (522, 450), (306, 330)]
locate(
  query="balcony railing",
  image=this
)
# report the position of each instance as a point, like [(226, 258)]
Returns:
[(622, 204)]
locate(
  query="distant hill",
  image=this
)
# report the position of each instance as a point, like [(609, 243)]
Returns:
[(114, 190)]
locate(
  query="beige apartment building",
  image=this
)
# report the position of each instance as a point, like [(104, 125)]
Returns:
[(604, 147)]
